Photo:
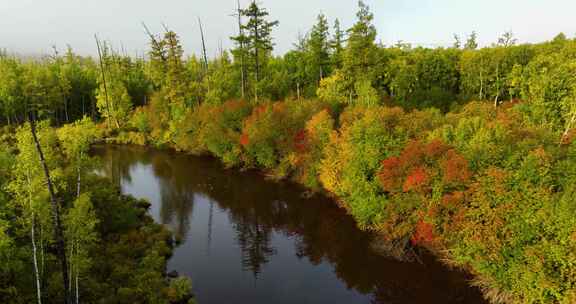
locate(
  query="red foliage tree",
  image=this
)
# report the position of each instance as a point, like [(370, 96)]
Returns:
[(301, 141), (455, 168), (244, 140), (423, 234), (416, 180)]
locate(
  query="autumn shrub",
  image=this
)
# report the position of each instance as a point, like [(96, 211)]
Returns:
[(309, 144), (270, 134), (353, 156), (517, 234), (189, 133), (223, 130), (431, 176)]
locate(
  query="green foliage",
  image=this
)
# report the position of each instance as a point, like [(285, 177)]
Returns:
[(269, 136), (367, 136), (487, 184), (332, 89)]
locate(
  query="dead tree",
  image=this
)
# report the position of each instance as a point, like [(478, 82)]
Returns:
[(56, 220), (103, 79), (203, 46)]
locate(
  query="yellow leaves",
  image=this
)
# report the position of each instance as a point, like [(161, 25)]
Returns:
[(77, 137), (320, 126), (331, 165), (332, 89)]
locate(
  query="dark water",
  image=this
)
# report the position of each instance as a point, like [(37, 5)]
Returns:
[(248, 240)]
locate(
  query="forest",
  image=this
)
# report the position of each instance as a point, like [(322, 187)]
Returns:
[(466, 151)]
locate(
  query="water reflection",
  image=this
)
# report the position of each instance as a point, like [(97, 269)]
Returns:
[(295, 250)]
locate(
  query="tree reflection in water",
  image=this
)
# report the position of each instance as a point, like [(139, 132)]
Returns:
[(261, 211)]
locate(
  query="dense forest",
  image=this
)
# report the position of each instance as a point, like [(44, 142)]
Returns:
[(469, 152)]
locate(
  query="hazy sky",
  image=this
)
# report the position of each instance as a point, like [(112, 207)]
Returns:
[(33, 26)]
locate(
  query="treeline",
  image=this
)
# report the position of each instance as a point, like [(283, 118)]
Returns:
[(393, 132), (327, 63)]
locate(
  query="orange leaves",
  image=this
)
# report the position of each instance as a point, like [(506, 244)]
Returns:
[(301, 141), (390, 174), (423, 234), (416, 180), (420, 165), (435, 148), (455, 168), (244, 140)]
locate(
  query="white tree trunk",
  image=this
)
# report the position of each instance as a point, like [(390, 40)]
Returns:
[(77, 275), (33, 239), (35, 254)]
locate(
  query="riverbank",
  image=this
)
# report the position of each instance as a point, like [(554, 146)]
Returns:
[(115, 252), (454, 183), (271, 241)]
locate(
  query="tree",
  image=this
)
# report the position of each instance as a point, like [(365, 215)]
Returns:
[(256, 41), (457, 42), (76, 139), (318, 51), (507, 39), (28, 188), (471, 42), (360, 55), (112, 98), (119, 105), (80, 222), (11, 94), (55, 209), (337, 45)]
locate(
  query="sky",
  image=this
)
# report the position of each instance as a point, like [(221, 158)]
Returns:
[(32, 27)]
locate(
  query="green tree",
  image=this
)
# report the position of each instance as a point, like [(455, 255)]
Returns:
[(472, 41), (76, 139), (337, 45), (256, 41), (318, 51), (11, 95), (27, 187), (360, 54), (80, 223)]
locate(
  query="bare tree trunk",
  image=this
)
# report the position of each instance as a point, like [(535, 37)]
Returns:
[(497, 85), (33, 239), (66, 109), (203, 47), (78, 171), (103, 80), (298, 90), (77, 288), (35, 254), (42, 260), (256, 58), (58, 230), (76, 273), (568, 127), (242, 67)]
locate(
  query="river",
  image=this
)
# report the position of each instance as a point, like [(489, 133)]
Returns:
[(248, 240)]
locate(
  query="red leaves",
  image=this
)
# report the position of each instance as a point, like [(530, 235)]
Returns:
[(416, 180), (301, 140), (244, 140), (423, 234), (455, 168), (435, 148), (420, 165), (390, 174)]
